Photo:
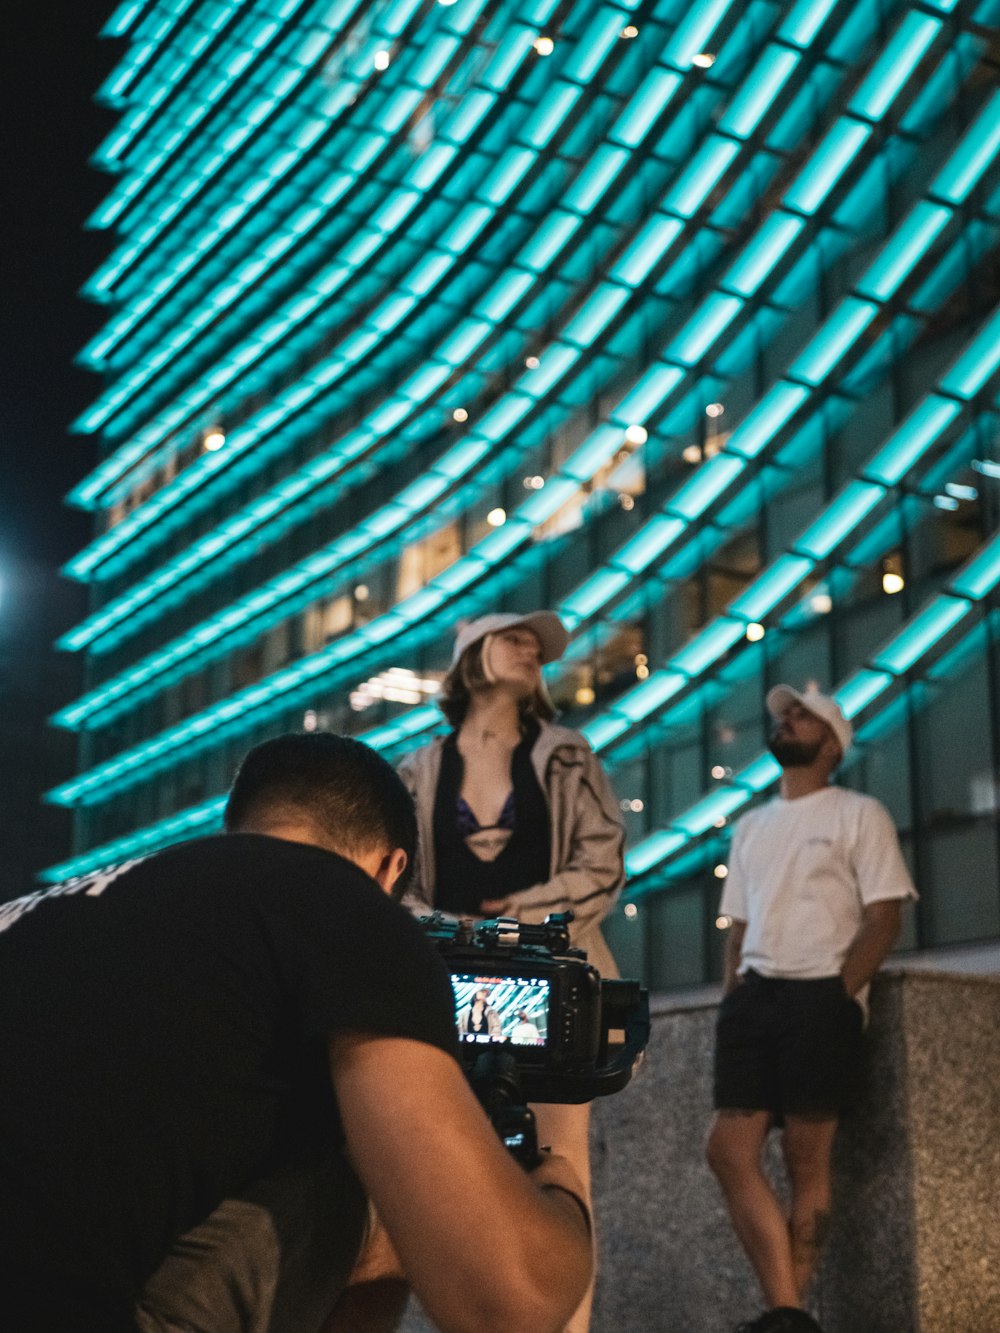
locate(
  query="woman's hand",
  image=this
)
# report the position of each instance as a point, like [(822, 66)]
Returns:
[(497, 907)]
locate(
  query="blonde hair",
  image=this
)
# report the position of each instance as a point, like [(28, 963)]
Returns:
[(469, 674)]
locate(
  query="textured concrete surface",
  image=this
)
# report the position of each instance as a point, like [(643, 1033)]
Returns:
[(915, 1241)]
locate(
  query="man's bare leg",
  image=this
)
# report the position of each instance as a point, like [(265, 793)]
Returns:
[(735, 1143), (807, 1144)]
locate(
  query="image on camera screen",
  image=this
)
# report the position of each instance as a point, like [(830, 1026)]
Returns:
[(511, 1011)]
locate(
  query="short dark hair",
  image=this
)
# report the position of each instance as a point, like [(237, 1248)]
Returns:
[(469, 674), (338, 783)]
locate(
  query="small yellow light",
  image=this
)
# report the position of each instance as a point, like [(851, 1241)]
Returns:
[(642, 672), (714, 410), (544, 46), (631, 911), (821, 603), (361, 592), (213, 439), (636, 434), (382, 59), (723, 922), (641, 659), (755, 632), (585, 695), (636, 806), (722, 822), (720, 871), (496, 518), (718, 772), (703, 60), (630, 31), (692, 454), (892, 582), (460, 414), (532, 362), (626, 502)]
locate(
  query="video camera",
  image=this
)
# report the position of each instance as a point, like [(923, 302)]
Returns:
[(536, 1022)]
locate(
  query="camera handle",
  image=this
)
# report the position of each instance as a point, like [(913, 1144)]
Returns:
[(496, 1084)]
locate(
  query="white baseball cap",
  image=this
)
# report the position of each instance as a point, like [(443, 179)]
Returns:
[(820, 705), (546, 625)]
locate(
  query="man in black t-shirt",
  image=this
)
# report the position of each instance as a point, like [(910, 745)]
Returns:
[(213, 1060)]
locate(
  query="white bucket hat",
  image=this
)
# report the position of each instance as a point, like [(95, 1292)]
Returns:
[(546, 625)]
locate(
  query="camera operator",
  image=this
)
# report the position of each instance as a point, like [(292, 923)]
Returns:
[(217, 1060)]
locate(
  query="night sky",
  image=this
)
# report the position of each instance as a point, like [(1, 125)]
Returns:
[(53, 63)]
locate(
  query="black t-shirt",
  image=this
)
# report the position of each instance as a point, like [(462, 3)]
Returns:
[(162, 1047)]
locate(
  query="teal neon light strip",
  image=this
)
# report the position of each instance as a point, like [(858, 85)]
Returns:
[(887, 77)]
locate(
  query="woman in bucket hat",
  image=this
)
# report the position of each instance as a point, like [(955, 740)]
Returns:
[(515, 815)]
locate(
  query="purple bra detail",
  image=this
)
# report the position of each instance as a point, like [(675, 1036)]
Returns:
[(469, 824)]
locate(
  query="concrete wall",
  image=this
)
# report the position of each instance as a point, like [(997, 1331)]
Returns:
[(915, 1241)]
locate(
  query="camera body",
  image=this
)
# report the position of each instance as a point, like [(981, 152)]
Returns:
[(567, 1034)]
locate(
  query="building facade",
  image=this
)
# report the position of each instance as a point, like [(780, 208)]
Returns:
[(679, 317)]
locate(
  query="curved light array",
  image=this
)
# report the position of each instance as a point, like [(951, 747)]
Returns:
[(831, 342), (901, 66)]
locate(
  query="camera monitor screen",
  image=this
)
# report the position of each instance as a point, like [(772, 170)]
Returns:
[(512, 1011)]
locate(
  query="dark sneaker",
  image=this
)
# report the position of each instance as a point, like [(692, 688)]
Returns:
[(782, 1319)]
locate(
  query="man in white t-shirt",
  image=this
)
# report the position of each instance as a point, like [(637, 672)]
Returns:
[(815, 891)]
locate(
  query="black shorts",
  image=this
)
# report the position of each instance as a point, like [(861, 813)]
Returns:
[(789, 1047)]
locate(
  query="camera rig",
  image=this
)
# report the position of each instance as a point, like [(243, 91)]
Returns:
[(536, 1022)]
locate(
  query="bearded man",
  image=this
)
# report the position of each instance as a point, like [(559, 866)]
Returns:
[(815, 892)]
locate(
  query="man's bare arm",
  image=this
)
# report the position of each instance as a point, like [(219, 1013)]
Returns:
[(733, 954), (484, 1245), (879, 931)]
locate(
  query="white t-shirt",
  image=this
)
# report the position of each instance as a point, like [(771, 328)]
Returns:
[(801, 873)]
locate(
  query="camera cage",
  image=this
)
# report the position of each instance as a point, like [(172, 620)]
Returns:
[(596, 1031)]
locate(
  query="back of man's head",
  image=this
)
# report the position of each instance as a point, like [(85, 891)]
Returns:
[(337, 786)]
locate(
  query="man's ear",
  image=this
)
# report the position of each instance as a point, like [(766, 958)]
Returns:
[(390, 868)]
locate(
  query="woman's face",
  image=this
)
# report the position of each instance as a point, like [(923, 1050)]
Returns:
[(513, 657)]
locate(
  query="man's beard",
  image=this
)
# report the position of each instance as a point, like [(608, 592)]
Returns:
[(794, 754)]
